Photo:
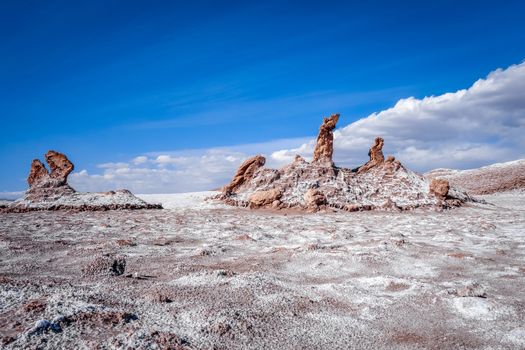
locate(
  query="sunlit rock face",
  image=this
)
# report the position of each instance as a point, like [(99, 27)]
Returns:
[(439, 187), (60, 166), (324, 148), (245, 173), (37, 173), (376, 155), (47, 185), (320, 185)]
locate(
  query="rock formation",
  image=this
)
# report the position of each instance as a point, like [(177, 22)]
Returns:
[(320, 185), (376, 155), (50, 191), (45, 185), (37, 173), (324, 147), (245, 173), (60, 166), (439, 188), (265, 198), (313, 198)]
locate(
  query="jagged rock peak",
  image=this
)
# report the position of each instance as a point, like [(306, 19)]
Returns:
[(37, 172), (60, 166), (376, 155), (245, 173), (324, 147)]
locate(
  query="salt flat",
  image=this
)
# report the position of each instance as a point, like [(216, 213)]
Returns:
[(201, 275)]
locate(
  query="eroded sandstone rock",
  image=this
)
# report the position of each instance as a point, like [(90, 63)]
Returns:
[(391, 165), (376, 156), (439, 188), (245, 173), (45, 186), (324, 147), (60, 166), (37, 172), (313, 198), (40, 178), (264, 198)]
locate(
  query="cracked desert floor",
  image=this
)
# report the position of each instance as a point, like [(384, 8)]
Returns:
[(207, 276)]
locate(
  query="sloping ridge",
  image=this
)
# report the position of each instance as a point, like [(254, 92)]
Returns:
[(380, 184), (499, 177)]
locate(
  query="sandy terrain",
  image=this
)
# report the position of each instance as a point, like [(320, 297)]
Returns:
[(206, 276)]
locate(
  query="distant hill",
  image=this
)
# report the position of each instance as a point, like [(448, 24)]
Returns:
[(499, 177)]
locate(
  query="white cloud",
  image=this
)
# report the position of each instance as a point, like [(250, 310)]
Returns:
[(140, 160), (467, 128), (165, 173), (164, 159), (112, 165), (288, 155)]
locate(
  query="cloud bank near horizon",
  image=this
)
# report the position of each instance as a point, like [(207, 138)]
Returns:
[(468, 128)]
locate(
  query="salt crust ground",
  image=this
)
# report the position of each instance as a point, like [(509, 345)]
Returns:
[(205, 275), (76, 200)]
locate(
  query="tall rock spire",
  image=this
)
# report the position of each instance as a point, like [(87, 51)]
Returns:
[(324, 147)]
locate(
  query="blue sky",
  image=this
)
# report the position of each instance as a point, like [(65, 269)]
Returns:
[(108, 81)]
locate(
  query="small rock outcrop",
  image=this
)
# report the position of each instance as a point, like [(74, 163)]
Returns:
[(49, 190), (439, 187), (376, 155), (324, 148), (265, 198), (320, 185), (313, 198)]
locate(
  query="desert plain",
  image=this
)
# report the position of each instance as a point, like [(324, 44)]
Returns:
[(199, 274)]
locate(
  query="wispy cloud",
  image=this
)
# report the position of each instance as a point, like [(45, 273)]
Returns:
[(226, 109)]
